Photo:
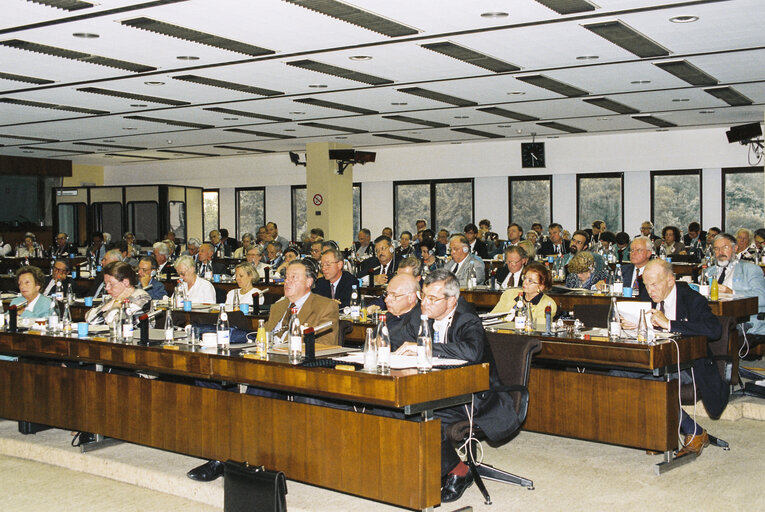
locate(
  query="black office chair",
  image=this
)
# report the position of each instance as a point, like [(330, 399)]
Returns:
[(512, 356)]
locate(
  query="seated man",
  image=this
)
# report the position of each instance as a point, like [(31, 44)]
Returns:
[(382, 267), (477, 246), (247, 242), (363, 249), (62, 248), (403, 316), (59, 274), (164, 269), (580, 241), (632, 273), (254, 256), (462, 260), (336, 283), (411, 265), (206, 267), (199, 290), (555, 244), (738, 277), (97, 288), (677, 308), (147, 270), (510, 275)]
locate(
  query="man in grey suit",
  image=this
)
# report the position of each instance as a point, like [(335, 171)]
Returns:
[(462, 260), (273, 230)]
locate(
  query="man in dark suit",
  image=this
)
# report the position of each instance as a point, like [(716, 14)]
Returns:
[(632, 273), (59, 273), (477, 246), (363, 248), (336, 283), (403, 316), (458, 333), (62, 248), (206, 267), (510, 274), (677, 308), (229, 244), (696, 237), (312, 309), (165, 269), (147, 269), (555, 244), (383, 266)]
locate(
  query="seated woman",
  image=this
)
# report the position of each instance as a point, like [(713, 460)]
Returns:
[(121, 284), (583, 274), (35, 305), (30, 248), (291, 254), (246, 276), (536, 280), (199, 291), (671, 241)]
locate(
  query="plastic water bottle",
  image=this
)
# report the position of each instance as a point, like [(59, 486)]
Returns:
[(704, 282), (642, 328), (66, 320), (383, 347), (424, 346), (59, 295), (520, 315), (614, 322), (295, 337), (221, 329)]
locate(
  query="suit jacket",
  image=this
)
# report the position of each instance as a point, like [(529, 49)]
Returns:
[(747, 281), (465, 339), (368, 251), (502, 273), (370, 263), (702, 239), (342, 291), (462, 271), (64, 283), (403, 328), (217, 268), (480, 249), (155, 289), (169, 270), (547, 248), (60, 252), (628, 276), (316, 310), (693, 316)]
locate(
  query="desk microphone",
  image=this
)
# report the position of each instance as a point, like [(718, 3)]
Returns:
[(319, 328)]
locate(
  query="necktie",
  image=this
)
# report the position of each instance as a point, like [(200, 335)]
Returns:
[(722, 276), (285, 325), (511, 282), (332, 286), (661, 306)]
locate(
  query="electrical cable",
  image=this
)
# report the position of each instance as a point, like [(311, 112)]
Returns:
[(465, 446)]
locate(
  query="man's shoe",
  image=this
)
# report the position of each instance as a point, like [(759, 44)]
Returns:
[(455, 487), (694, 444), (207, 472)]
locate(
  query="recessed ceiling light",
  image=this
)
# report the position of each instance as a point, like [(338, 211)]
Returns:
[(516, 93), (297, 113), (587, 57), (360, 57), (604, 119), (638, 82), (154, 83), (138, 105), (684, 19), (28, 151), (552, 136), (86, 35), (187, 57), (461, 117), (677, 100), (706, 111), (108, 140), (230, 118), (495, 14), (504, 125), (397, 103), (518, 131), (341, 137), (318, 86), (169, 141), (289, 129), (130, 128)]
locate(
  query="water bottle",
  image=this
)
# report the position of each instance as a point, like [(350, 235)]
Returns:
[(66, 320), (663, 252), (618, 287), (471, 276), (520, 314), (127, 322), (295, 338), (370, 351), (235, 305), (221, 329), (383, 347), (704, 282), (642, 328), (424, 346), (53, 317), (169, 328), (355, 304), (614, 322), (69, 294), (262, 340)]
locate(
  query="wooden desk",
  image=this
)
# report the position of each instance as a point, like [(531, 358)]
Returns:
[(572, 394), (386, 459)]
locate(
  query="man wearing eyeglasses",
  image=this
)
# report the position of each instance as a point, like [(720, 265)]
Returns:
[(458, 333), (509, 275), (59, 273), (336, 283), (383, 266), (462, 260), (403, 305), (640, 254)]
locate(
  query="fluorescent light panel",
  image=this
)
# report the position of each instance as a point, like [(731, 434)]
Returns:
[(334, 127), (649, 119), (414, 120), (479, 133), (356, 16), (131, 96), (67, 5), (259, 133), (241, 148), (473, 57), (25, 79), (552, 85), (568, 6), (399, 137)]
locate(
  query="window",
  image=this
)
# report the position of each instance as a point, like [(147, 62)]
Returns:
[(299, 228), (250, 210), (675, 198), (530, 200), (356, 208), (177, 217), (107, 218), (72, 221), (743, 198), (210, 215), (600, 197), (444, 204), (143, 221)]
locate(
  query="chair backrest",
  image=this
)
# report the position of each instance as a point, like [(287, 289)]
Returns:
[(592, 315), (512, 355)]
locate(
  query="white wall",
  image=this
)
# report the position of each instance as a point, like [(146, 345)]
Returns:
[(489, 162)]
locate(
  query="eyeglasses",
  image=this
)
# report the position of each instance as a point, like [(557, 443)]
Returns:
[(326, 264), (433, 299), (59, 270), (528, 280), (394, 296)]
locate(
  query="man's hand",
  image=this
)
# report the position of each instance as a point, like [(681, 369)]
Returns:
[(408, 348), (724, 289), (628, 326), (381, 279), (658, 319)]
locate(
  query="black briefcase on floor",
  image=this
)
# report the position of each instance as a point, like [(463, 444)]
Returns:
[(253, 489)]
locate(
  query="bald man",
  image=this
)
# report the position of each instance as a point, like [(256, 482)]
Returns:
[(403, 317)]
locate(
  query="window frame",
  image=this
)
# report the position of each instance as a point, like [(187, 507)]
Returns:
[(541, 177), (97, 224), (433, 205), (723, 175), (581, 176), (236, 207), (679, 172)]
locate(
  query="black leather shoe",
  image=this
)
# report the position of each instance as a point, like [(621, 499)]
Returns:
[(207, 472), (455, 487)]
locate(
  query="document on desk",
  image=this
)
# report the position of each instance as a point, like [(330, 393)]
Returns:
[(398, 362)]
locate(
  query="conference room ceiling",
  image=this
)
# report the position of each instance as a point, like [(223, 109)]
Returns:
[(124, 81)]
